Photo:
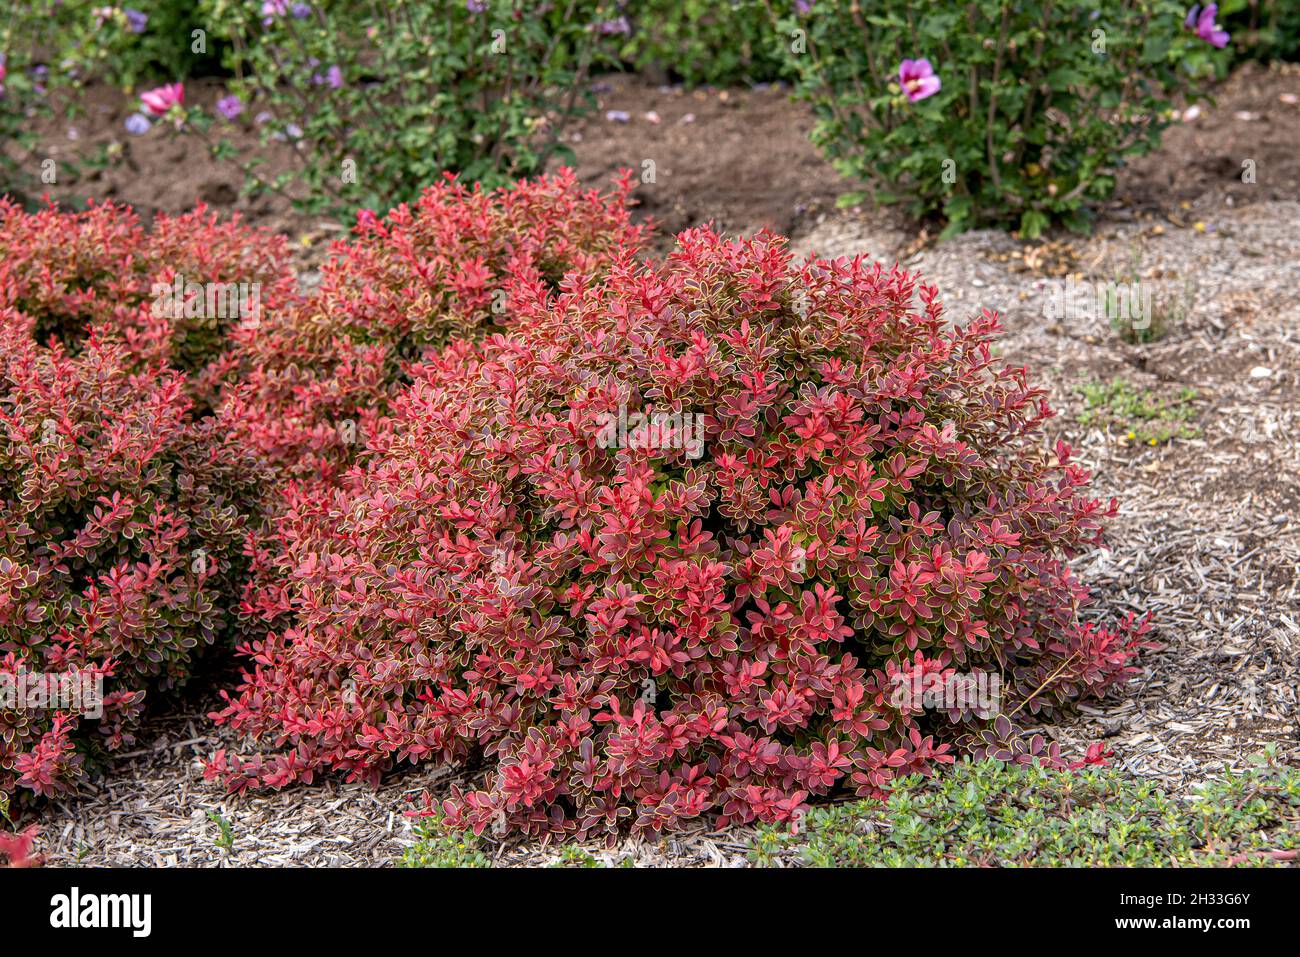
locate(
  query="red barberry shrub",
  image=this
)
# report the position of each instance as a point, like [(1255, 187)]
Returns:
[(636, 621), (100, 268), (122, 523), (313, 380), (16, 850)]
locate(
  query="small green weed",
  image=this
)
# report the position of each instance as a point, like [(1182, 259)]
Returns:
[(1144, 310), (227, 838), (1139, 415)]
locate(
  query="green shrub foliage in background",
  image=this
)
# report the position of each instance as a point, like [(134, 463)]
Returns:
[(25, 80), (1262, 29), (993, 112), (377, 100), (153, 40), (704, 41)]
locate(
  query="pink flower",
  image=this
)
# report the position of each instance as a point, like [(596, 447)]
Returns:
[(158, 101), (1202, 21), (917, 79)]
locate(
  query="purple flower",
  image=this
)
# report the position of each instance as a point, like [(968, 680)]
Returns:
[(230, 106), (618, 116), (917, 79), (476, 6), (135, 20), (38, 75), (1202, 21), (802, 6), (278, 8), (619, 25), (137, 124), (333, 77)]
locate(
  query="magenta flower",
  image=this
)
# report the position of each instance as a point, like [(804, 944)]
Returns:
[(158, 101), (1202, 21), (917, 79)]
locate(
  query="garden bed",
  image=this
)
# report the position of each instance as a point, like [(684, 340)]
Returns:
[(1207, 537)]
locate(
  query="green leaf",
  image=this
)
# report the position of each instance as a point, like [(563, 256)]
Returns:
[(1032, 224)]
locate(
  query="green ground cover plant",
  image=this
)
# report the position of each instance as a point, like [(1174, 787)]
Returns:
[(1005, 815), (1138, 414)]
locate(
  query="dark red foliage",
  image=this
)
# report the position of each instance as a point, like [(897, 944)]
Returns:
[(122, 524), (636, 635), (314, 381)]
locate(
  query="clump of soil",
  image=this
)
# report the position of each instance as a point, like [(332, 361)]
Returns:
[(739, 158)]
